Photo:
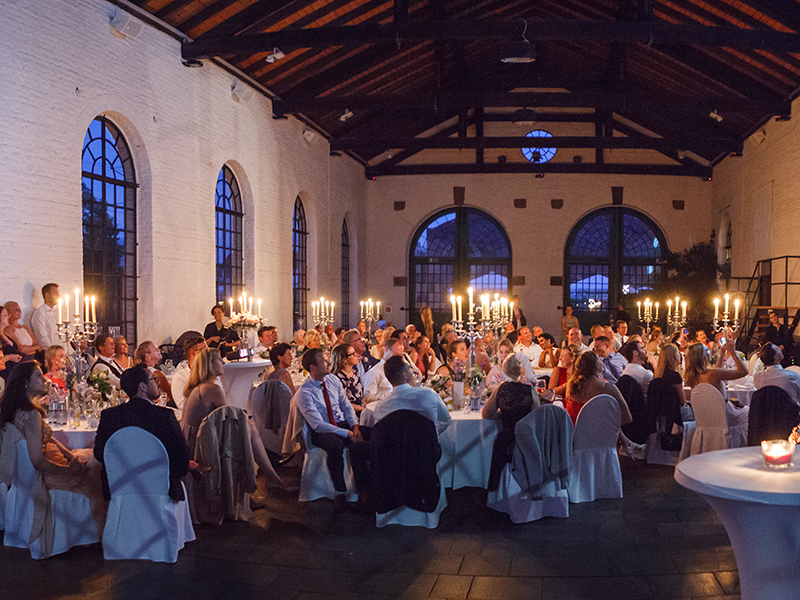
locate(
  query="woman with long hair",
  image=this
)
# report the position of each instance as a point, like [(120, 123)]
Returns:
[(654, 341), (513, 400), (564, 369), (428, 326), (668, 367), (9, 345), (585, 383), (426, 358), (55, 365), (345, 358), (281, 357), (204, 396), (121, 353), (457, 358), (62, 468), (25, 339), (497, 374), (698, 359)]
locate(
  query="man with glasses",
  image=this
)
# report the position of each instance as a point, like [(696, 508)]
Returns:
[(142, 389)]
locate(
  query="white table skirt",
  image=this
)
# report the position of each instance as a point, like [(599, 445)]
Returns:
[(759, 509), (82, 437), (743, 395), (238, 378)]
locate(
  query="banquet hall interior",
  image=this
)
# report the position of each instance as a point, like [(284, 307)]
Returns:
[(166, 156)]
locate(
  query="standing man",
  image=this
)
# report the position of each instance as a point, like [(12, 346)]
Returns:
[(43, 320)]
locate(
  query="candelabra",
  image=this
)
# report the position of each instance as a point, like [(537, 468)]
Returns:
[(370, 311), (494, 315), (322, 312), (77, 332), (648, 314), (676, 319), (725, 324)]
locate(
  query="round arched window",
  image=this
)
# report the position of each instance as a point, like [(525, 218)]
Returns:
[(539, 155)]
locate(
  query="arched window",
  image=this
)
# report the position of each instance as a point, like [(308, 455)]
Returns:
[(109, 226), (455, 249), (228, 213), (345, 318), (611, 252), (299, 265)]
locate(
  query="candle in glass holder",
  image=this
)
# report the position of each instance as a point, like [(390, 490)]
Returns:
[(777, 453)]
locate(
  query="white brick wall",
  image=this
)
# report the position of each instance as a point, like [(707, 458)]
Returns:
[(60, 66)]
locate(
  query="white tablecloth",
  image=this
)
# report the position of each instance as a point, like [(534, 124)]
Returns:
[(238, 378), (759, 508), (740, 393), (82, 437)]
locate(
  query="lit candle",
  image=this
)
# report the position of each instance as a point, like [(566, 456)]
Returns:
[(94, 311), (333, 306), (727, 303), (378, 310), (677, 302), (328, 308), (453, 304), (683, 306), (77, 303), (250, 310), (511, 309), (230, 301), (66, 308), (244, 301), (241, 305), (314, 308), (458, 302), (777, 453), (471, 303), (259, 308), (86, 310), (60, 302), (736, 309), (716, 308), (362, 310), (669, 307), (656, 311), (639, 305)]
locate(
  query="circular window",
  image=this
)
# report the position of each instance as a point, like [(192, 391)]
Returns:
[(539, 155)]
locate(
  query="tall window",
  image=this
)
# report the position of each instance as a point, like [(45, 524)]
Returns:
[(109, 226), (455, 249), (228, 213), (610, 253), (345, 277), (299, 265)]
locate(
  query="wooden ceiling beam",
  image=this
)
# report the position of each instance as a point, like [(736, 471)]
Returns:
[(465, 29)]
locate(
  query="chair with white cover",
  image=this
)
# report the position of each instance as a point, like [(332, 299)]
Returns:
[(536, 483), (711, 430), (595, 472), (143, 522), (315, 480), (64, 519), (794, 368), (269, 406), (751, 363)]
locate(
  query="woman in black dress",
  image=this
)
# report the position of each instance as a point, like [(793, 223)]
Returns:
[(9, 346), (513, 400)]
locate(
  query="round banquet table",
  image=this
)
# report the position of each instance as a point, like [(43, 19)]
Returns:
[(467, 450), (238, 378), (81, 437), (759, 508)]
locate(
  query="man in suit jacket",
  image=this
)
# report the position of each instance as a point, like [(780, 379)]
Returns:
[(142, 388)]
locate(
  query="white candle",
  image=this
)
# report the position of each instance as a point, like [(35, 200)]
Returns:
[(66, 308), (86, 309), (683, 305), (736, 309), (458, 302), (639, 304), (333, 307), (60, 302), (378, 310), (677, 302), (716, 308), (453, 304), (94, 311), (656, 311), (669, 307), (471, 303), (244, 301), (251, 305), (230, 301), (77, 303), (328, 309), (241, 305), (259, 308), (511, 309), (362, 310), (727, 303)]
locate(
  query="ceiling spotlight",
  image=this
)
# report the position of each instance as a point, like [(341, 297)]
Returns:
[(518, 49), (716, 116), (346, 115), (275, 54), (524, 116)]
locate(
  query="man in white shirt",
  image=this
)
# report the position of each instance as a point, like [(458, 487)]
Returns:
[(622, 333), (43, 319), (775, 374), (267, 338), (328, 413), (527, 347), (376, 386), (575, 337), (181, 375), (608, 331), (636, 356), (613, 363)]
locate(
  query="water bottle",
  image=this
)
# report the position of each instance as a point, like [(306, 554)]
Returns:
[(52, 404), (61, 412)]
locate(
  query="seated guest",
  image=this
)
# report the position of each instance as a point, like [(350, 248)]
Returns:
[(537, 333), (61, 468), (43, 319), (22, 335), (139, 411), (636, 356), (281, 358), (667, 368), (204, 395), (481, 356), (697, 369), (513, 400), (359, 344), (595, 332), (191, 347), (339, 333), (637, 330), (361, 326), (622, 333), (655, 341), (55, 364), (426, 359), (774, 374), (548, 356), (121, 353), (412, 333), (312, 339), (613, 364), (448, 337), (608, 331), (219, 336), (329, 415), (575, 337), (457, 360), (490, 343), (586, 383), (497, 375), (105, 347), (9, 345), (564, 369), (2, 368), (149, 354), (267, 338), (526, 346), (297, 340), (377, 348), (510, 333), (376, 386), (345, 359), (328, 337)]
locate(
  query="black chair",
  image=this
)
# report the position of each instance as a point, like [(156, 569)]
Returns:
[(405, 451), (773, 415), (664, 406), (176, 355), (642, 425)]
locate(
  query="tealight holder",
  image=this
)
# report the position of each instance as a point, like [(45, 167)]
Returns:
[(777, 453)]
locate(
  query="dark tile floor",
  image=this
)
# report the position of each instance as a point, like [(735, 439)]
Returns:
[(660, 541)]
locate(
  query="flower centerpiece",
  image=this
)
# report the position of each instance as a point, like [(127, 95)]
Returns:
[(442, 385)]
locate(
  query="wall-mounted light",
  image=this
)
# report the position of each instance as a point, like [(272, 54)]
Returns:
[(716, 116), (347, 114), (126, 25), (242, 93), (275, 54)]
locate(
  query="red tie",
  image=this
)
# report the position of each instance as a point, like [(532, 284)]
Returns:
[(328, 405)]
